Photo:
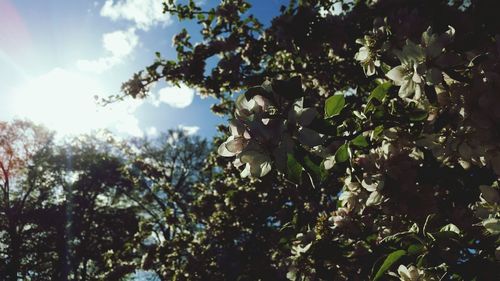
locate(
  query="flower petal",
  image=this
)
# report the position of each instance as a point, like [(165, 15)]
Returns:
[(407, 88), (370, 68), (236, 127), (258, 164), (237, 163), (362, 54), (246, 172), (416, 78), (397, 75), (375, 198), (262, 102), (404, 273), (264, 169), (369, 184), (414, 273), (222, 150), (236, 145), (492, 225)]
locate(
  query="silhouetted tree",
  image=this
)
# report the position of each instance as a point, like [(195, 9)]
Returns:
[(21, 143), (365, 145)]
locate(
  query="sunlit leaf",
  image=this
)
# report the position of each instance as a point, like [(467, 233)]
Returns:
[(389, 262), (334, 105), (293, 169), (342, 153), (360, 141), (378, 94)]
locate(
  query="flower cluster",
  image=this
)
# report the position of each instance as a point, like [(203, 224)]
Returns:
[(413, 273), (372, 45), (420, 64), (251, 116), (262, 129)]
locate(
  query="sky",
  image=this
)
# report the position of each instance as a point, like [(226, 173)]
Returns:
[(57, 55)]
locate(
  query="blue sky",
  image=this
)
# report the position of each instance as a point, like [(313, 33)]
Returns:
[(56, 55)]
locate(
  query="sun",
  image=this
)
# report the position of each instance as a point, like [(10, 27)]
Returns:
[(64, 101)]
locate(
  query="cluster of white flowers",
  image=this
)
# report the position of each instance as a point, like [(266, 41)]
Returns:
[(250, 114), (368, 55), (420, 64), (372, 45), (263, 132), (413, 273)]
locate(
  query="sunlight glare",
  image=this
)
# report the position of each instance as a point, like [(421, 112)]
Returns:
[(64, 101)]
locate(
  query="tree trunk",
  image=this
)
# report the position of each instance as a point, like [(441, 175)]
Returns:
[(14, 252)]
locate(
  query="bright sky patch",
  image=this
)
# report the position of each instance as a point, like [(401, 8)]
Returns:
[(60, 100)]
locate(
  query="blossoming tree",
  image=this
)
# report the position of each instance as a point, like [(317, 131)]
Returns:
[(368, 134)]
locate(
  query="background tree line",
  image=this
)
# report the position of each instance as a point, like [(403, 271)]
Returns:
[(70, 210)]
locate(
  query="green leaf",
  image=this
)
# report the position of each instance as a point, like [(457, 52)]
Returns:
[(376, 132), (334, 105), (450, 227), (418, 115), (293, 169), (289, 89), (388, 262), (322, 126), (380, 91), (309, 162), (444, 235), (378, 94), (323, 173), (415, 249), (312, 166), (421, 260), (360, 141), (342, 154)]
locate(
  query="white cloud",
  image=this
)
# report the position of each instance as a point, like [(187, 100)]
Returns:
[(64, 101), (144, 13), (119, 44), (179, 97), (190, 130), (152, 131)]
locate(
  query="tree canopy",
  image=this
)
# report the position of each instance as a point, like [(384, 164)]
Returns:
[(369, 133)]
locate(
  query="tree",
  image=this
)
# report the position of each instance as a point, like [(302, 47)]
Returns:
[(369, 139), (98, 223), (167, 173), (62, 217), (21, 143)]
